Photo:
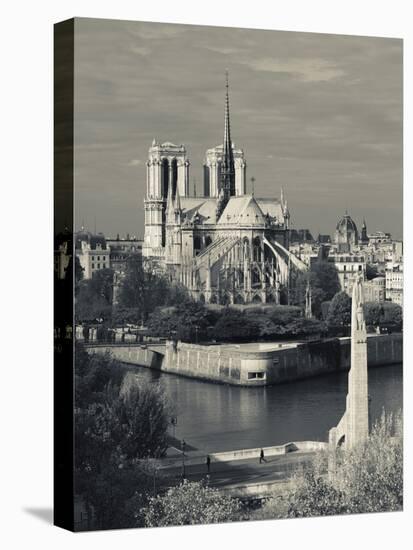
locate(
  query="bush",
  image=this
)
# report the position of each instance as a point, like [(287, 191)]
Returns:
[(368, 478), (189, 321), (191, 503), (235, 326)]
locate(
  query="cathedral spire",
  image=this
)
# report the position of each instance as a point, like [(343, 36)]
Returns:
[(228, 168), (227, 183)]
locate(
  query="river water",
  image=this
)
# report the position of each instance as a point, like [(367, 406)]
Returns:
[(218, 417)]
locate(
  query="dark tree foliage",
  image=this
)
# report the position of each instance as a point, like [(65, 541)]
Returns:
[(143, 415), (371, 271), (325, 306), (193, 322), (339, 313), (117, 492), (94, 297), (144, 290), (305, 327), (93, 373), (235, 326), (386, 313), (126, 315), (116, 430), (189, 321), (324, 282), (281, 315)]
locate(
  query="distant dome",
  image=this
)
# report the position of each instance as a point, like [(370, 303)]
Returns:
[(346, 224), (346, 234)]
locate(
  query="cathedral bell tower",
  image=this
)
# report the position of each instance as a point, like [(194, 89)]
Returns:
[(173, 245), (167, 174)]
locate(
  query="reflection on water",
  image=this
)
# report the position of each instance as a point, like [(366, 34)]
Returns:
[(218, 417)]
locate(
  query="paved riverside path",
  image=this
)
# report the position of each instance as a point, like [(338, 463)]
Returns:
[(244, 471)]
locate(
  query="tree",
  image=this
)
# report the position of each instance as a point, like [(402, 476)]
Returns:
[(387, 313), (144, 290), (116, 430), (235, 326), (93, 373), (125, 315), (371, 271), (281, 315), (191, 503), (324, 283), (133, 421), (94, 298), (143, 414), (188, 321), (339, 312), (392, 314)]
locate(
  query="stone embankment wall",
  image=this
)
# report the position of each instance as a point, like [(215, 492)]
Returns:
[(133, 354), (261, 367)]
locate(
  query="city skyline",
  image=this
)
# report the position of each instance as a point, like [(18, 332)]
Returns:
[(319, 115)]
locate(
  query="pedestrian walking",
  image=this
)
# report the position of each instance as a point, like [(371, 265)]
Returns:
[(262, 459), (208, 463)]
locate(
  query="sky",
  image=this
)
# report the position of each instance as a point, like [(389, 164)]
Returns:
[(318, 115)]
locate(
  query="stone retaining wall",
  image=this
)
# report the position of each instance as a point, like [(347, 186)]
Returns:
[(257, 368)]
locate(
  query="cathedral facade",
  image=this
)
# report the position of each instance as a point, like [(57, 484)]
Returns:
[(227, 246)]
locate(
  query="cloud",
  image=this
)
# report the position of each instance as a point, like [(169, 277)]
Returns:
[(307, 70), (226, 50), (140, 50), (320, 115)]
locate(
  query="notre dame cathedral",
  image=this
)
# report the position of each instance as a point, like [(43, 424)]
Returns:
[(225, 247)]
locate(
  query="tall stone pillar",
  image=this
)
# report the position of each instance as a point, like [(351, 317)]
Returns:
[(358, 416), (353, 427)]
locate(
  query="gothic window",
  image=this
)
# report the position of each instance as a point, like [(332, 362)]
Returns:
[(165, 178), (208, 241), (246, 249), (206, 181), (174, 182), (257, 249), (197, 244)]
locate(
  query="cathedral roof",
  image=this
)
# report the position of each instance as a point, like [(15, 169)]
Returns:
[(242, 210), (271, 207), (204, 207)]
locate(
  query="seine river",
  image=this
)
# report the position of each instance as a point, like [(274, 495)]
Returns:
[(217, 417)]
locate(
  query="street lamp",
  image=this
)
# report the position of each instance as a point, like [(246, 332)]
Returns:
[(183, 445), (174, 422)]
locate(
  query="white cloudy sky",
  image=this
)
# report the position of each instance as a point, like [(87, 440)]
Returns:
[(320, 115)]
